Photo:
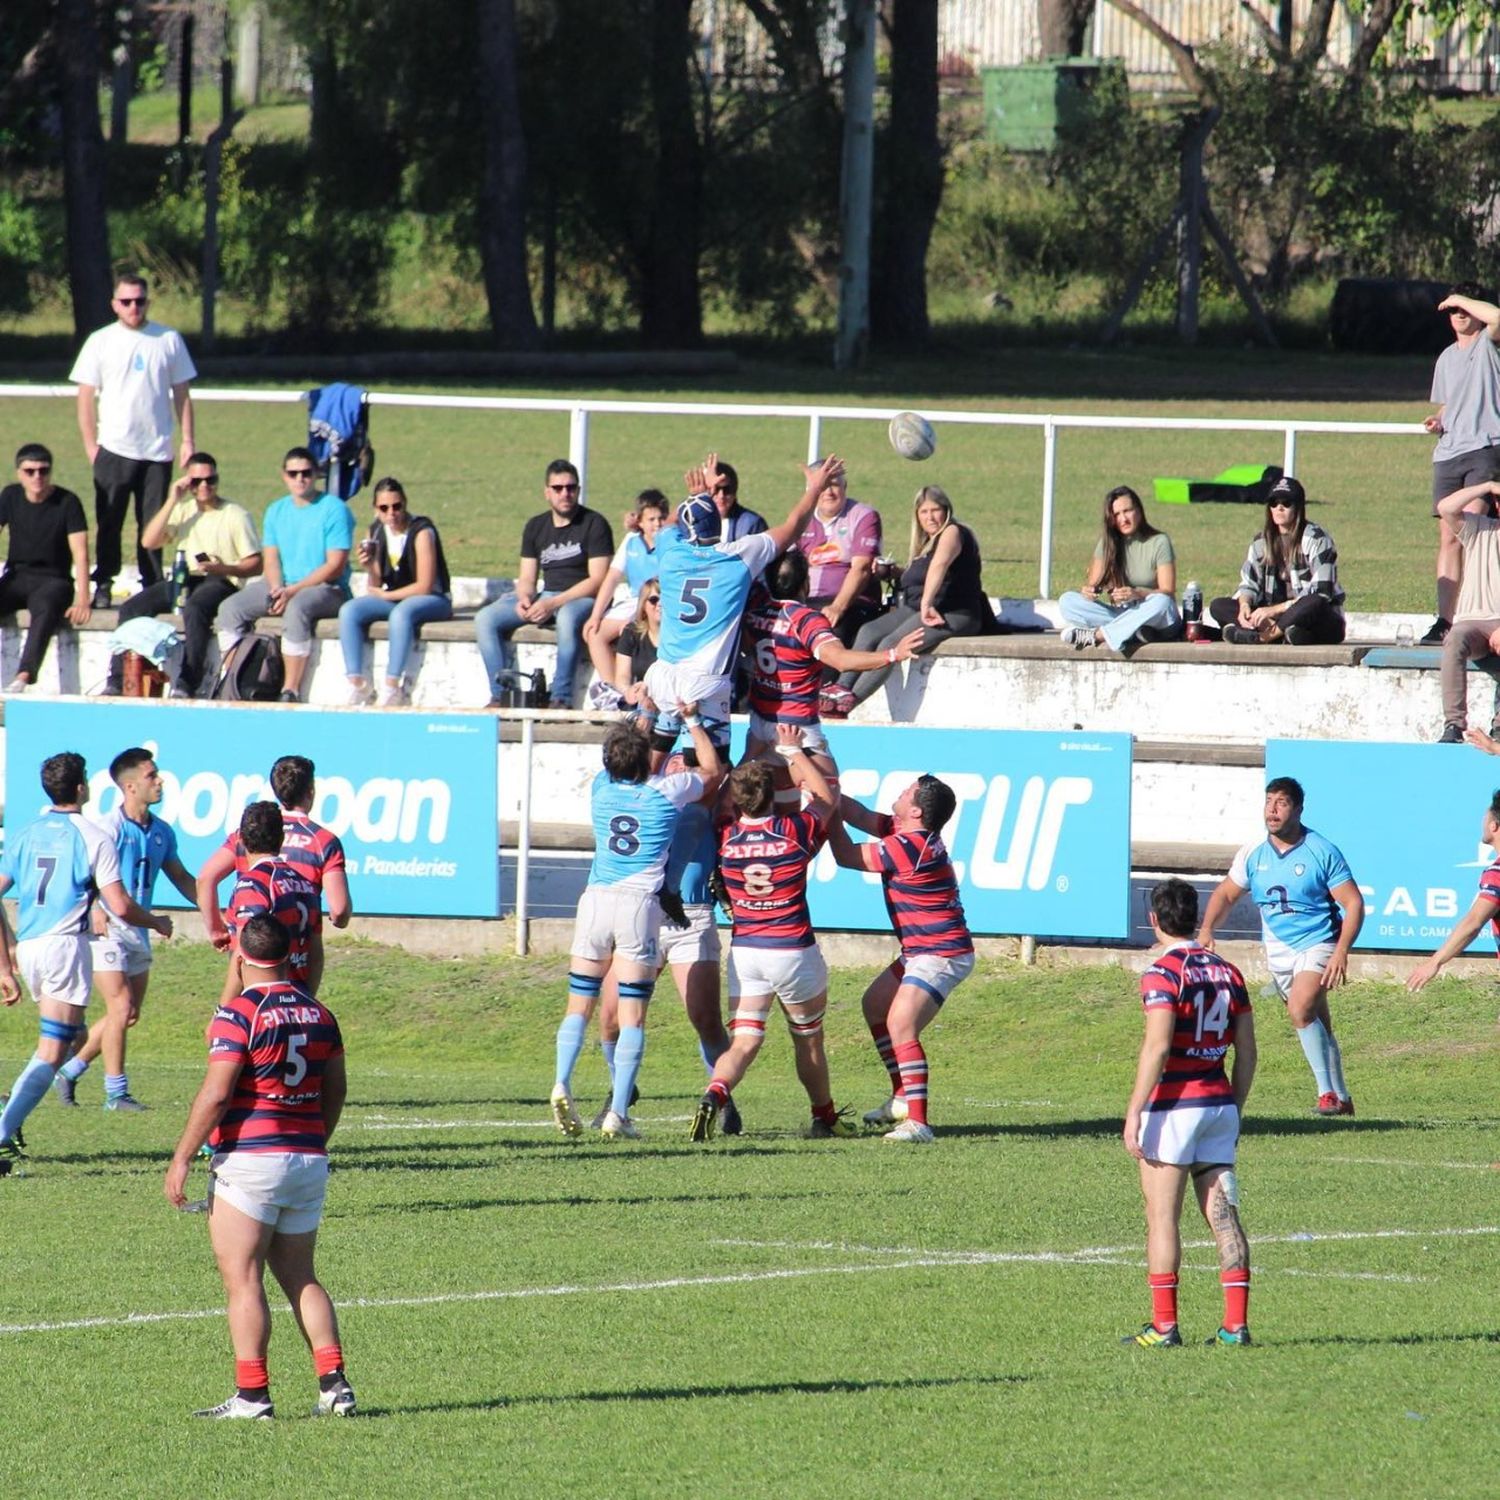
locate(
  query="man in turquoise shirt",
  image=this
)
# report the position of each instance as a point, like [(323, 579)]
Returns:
[(306, 539)]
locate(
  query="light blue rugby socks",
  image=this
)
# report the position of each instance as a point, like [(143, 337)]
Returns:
[(569, 1045), (629, 1051), (1317, 1046)]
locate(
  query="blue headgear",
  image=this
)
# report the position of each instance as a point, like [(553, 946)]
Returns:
[(700, 520)]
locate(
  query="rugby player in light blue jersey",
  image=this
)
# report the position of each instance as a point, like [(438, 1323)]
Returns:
[(617, 932), (1310, 914), (57, 865), (705, 582), (146, 847)]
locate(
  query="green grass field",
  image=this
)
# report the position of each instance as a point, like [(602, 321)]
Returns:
[(529, 1316), (480, 473)]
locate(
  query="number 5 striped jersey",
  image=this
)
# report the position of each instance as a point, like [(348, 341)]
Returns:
[(633, 826), (1206, 995)]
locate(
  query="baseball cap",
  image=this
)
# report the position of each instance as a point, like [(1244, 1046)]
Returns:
[(1287, 491)]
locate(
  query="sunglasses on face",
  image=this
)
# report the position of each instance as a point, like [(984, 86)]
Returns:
[(394, 508), (201, 479), (36, 468), (653, 599), (300, 473), (131, 301), (563, 489)]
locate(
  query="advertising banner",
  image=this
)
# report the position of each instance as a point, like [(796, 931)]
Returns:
[(1407, 818), (1040, 840), (412, 796)]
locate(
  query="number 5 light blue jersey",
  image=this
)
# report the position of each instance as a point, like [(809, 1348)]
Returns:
[(1293, 888), (56, 867), (633, 826), (142, 850), (703, 594)]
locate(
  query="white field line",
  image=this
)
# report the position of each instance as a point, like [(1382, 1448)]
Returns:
[(1010, 1103), (378, 1123), (1392, 1161)]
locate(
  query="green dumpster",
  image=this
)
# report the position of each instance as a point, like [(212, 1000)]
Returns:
[(1027, 104)]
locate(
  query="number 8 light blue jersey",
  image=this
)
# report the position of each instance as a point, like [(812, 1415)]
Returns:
[(56, 867), (1292, 888), (633, 826), (703, 594)]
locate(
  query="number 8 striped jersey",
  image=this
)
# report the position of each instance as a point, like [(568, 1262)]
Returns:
[(1207, 995), (764, 862), (633, 826)]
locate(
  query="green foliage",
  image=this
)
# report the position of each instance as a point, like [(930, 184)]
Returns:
[(21, 253)]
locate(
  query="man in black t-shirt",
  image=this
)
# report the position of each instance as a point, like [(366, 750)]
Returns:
[(47, 571), (569, 547)]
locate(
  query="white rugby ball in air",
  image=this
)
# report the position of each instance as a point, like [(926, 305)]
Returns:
[(912, 436)]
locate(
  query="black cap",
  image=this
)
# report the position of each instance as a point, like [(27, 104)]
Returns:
[(1289, 491)]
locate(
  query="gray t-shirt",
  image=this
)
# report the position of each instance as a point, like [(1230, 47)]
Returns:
[(1143, 556), (1466, 383)]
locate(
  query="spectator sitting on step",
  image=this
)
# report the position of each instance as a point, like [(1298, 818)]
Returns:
[(223, 549), (407, 584), (48, 562), (569, 547), (1289, 586), (636, 648), (634, 565), (940, 589), (1475, 632), (1129, 596), (737, 520), (841, 541)]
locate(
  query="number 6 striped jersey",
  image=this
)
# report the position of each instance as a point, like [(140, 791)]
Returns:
[(1207, 995), (633, 826)]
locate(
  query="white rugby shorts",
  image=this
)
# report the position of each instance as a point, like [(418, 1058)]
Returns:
[(935, 974), (697, 943), (282, 1188), (1286, 963), (1191, 1135), (792, 975), (57, 967), (122, 950), (813, 738), (671, 683), (618, 920)]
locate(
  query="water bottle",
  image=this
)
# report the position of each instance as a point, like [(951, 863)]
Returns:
[(1192, 611), (179, 579)]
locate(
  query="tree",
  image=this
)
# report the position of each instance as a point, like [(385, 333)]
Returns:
[(1062, 25), (77, 51)]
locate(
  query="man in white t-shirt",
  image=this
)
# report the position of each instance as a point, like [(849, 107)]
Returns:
[(131, 377)]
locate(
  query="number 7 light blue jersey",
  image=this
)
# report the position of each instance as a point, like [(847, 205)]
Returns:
[(703, 594), (1293, 889), (56, 867), (633, 826)]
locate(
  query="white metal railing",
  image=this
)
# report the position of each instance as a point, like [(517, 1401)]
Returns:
[(1050, 424)]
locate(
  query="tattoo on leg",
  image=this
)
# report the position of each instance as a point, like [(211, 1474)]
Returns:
[(1224, 1220)]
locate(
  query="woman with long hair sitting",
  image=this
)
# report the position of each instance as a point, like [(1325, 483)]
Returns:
[(1129, 594)]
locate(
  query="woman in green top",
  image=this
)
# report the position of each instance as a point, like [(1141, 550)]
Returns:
[(1129, 595)]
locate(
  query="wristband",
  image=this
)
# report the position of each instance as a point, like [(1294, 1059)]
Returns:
[(692, 721), (788, 752), (890, 656)]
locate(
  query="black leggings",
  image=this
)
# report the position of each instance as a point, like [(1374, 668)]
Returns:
[(1323, 621)]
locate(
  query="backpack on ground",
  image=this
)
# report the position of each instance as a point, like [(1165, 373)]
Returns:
[(253, 671), (517, 689)]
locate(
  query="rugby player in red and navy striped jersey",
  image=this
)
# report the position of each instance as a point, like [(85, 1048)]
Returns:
[(773, 954), (937, 953), (272, 1096), (271, 887), (1183, 1119), (1486, 907), (307, 846)]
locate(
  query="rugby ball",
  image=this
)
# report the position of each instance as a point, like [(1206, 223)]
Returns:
[(912, 436)]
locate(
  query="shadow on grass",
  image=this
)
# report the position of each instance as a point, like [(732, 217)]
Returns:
[(1110, 1126), (1377, 1340), (574, 1200), (701, 1392)]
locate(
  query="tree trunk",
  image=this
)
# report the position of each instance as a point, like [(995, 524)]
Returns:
[(502, 179), (1062, 25), (78, 56), (671, 305), (914, 176)]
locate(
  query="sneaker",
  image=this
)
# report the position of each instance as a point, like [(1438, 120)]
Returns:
[(729, 1119), (337, 1400), (1299, 635), (1078, 636), (892, 1112), (597, 1123), (1151, 1337), (605, 697), (563, 1111), (66, 1089), (125, 1104), (1437, 632), (395, 697), (1330, 1104), (835, 702), (361, 695), (103, 597), (909, 1132), (1452, 735), (15, 687), (1240, 635), (619, 1128), (1231, 1337), (705, 1118), (842, 1128), (288, 696), (238, 1407)]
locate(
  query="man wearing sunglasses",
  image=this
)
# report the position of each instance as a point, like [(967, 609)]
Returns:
[(223, 549), (305, 574), (47, 571), (132, 377)]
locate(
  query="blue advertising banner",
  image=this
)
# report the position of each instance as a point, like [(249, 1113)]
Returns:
[(412, 796), (1407, 818), (1040, 840)]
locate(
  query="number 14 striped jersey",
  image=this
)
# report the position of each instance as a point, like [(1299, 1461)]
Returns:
[(1207, 996)]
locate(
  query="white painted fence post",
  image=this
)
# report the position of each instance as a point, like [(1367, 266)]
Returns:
[(523, 841), (578, 449), (1049, 494)]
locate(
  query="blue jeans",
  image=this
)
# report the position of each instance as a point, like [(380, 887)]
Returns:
[(1121, 622), (405, 615), (495, 623)]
